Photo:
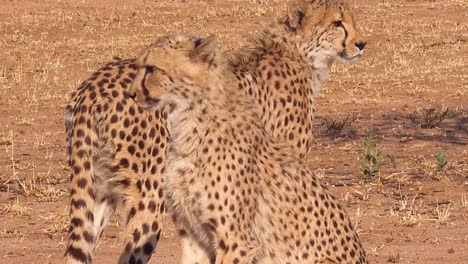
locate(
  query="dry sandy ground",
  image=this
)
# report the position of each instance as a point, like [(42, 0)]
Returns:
[(413, 211)]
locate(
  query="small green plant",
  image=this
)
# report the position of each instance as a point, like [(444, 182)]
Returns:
[(371, 155), (441, 159)]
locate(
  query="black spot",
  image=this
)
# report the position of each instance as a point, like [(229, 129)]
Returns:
[(126, 122), (82, 183), (76, 222), (145, 228), (148, 184), (81, 120), (136, 236), (82, 153), (152, 206), (119, 107), (277, 85), (76, 170), (124, 163), (77, 254), (88, 237), (131, 214), (125, 182), (222, 245), (87, 165), (114, 118), (88, 140), (135, 169), (78, 203), (148, 248), (131, 149), (80, 133), (152, 133)]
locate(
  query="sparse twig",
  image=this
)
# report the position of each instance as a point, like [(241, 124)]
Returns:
[(335, 127)]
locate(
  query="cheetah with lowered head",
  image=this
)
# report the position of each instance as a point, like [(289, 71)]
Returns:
[(235, 191), (280, 69), (116, 155)]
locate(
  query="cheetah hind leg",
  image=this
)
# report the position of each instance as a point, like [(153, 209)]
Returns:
[(91, 230), (92, 206)]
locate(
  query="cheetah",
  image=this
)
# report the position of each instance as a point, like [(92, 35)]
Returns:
[(281, 68), (231, 187), (116, 155)]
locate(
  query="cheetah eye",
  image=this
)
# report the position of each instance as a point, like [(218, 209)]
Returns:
[(337, 23)]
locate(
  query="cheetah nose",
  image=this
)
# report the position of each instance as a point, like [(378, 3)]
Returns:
[(360, 45)]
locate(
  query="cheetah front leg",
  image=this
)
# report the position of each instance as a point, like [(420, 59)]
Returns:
[(192, 251), (234, 251), (144, 224), (143, 232)]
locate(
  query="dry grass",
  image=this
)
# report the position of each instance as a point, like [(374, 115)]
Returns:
[(413, 62), (15, 208), (464, 201)]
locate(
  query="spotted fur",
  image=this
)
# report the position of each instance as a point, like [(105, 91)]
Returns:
[(116, 155), (235, 192), (284, 66), (280, 69)]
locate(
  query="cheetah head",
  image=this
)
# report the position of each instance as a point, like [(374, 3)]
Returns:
[(177, 70), (325, 30)]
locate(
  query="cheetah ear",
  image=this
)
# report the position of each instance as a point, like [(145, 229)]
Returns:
[(146, 58), (136, 89), (296, 14), (145, 64), (205, 50)]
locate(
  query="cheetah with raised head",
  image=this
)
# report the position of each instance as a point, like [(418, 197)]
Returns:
[(284, 66), (279, 68), (234, 190), (116, 155)]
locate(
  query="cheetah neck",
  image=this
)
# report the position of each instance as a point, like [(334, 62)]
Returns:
[(282, 46), (321, 64), (226, 112), (199, 134), (275, 39)]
